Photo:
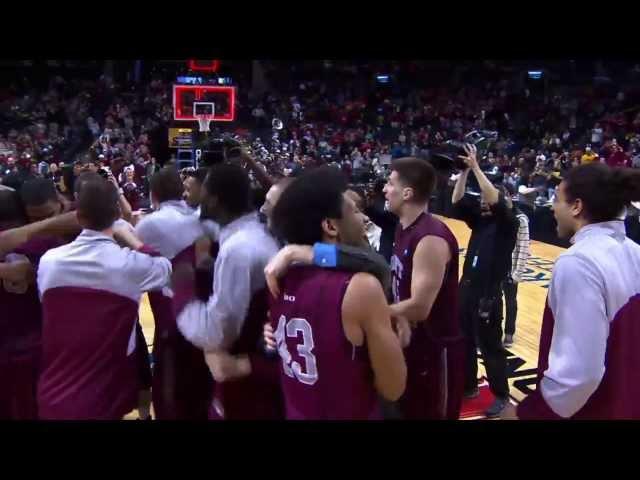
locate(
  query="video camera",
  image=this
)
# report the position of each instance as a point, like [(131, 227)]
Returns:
[(445, 157), (220, 149)]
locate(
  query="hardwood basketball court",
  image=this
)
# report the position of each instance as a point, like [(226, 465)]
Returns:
[(532, 292)]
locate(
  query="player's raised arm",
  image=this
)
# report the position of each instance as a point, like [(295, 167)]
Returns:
[(365, 317)]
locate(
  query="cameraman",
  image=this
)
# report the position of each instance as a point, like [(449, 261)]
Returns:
[(494, 228)]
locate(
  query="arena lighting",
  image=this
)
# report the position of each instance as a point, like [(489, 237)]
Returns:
[(535, 74)]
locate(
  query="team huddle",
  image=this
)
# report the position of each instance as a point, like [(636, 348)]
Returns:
[(202, 256), (285, 313)]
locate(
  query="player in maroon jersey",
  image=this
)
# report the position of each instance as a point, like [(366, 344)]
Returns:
[(89, 370), (21, 315), (18, 330), (182, 383), (425, 289), (333, 329), (229, 322)]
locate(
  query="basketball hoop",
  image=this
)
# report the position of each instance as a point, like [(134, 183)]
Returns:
[(204, 121), (204, 112)]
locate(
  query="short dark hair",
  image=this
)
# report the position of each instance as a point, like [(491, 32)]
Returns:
[(87, 157), (166, 185), (98, 203), (11, 209), (312, 197), (84, 178), (231, 184), (604, 191), (417, 174), (38, 191)]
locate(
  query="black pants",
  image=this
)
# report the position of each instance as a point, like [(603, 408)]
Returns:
[(510, 289), (485, 333), (142, 355)]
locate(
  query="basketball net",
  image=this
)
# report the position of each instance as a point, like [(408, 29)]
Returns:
[(204, 121)]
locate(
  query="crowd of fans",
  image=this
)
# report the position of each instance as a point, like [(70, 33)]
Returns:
[(356, 124), (46, 133), (333, 112)]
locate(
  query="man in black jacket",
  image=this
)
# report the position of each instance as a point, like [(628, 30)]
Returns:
[(386, 220), (494, 228)]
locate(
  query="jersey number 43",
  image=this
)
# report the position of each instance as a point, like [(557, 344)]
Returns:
[(290, 329)]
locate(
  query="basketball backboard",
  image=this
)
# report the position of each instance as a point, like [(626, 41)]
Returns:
[(204, 65), (186, 97)]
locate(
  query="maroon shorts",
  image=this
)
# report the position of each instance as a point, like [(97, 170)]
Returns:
[(435, 381), (18, 387)]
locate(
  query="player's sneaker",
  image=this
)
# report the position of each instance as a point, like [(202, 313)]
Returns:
[(496, 407)]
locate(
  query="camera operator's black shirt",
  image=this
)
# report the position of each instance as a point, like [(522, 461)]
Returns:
[(387, 221), (493, 238)]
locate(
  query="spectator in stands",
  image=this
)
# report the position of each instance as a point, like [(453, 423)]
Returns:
[(589, 156), (130, 188), (617, 157), (527, 194), (635, 158), (597, 135)]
